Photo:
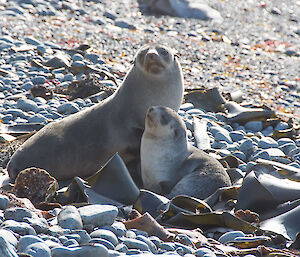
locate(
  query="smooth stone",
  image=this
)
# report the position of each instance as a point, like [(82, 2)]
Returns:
[(246, 146), (150, 244), (68, 77), (80, 251), (219, 145), (204, 252), (68, 108), (27, 86), (267, 142), (38, 250), (124, 25), (118, 228), (104, 242), (282, 126), (288, 147), (132, 243), (18, 214), (38, 118), (230, 236), (57, 230), (27, 105), (69, 218), (9, 236), (4, 202), (77, 57), (284, 140), (71, 242), (156, 240), (32, 41), (219, 136), (39, 80), (268, 131), (186, 106), (73, 236), (121, 248), (40, 225), (168, 246), (236, 136), (240, 155), (98, 215), (294, 152), (63, 239), (268, 154), (15, 113), (195, 111), (26, 241), (84, 236), (254, 125), (105, 234), (6, 249), (20, 228), (186, 249)]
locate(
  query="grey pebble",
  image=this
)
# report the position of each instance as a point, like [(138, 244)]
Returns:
[(40, 225), (18, 214), (105, 234), (4, 202), (204, 252), (98, 215), (27, 105), (254, 126), (68, 108), (20, 228), (80, 251), (102, 241), (267, 142), (33, 245), (6, 249), (132, 243), (70, 242), (69, 218)]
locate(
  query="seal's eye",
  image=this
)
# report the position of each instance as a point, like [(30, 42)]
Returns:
[(163, 51), (164, 120)]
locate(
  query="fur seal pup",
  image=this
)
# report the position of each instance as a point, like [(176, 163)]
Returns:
[(79, 144), (170, 165)]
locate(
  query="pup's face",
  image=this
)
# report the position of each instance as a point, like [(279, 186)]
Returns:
[(163, 122), (154, 59)]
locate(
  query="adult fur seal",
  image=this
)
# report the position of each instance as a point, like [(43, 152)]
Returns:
[(79, 144), (170, 165)]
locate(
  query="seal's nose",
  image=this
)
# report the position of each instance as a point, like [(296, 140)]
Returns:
[(152, 54)]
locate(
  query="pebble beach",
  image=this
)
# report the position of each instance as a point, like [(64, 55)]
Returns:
[(250, 57)]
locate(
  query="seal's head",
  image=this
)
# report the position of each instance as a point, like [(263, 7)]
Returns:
[(155, 59), (164, 123)]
